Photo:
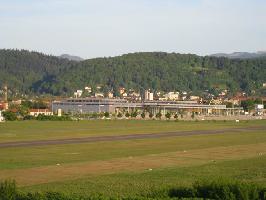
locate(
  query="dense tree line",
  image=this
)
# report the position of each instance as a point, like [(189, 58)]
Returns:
[(35, 73)]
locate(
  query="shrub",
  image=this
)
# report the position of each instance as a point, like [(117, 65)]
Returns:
[(220, 190), (53, 118), (134, 114), (150, 115), (193, 115), (119, 115), (159, 115), (127, 114), (106, 114), (143, 115), (9, 116), (28, 117), (8, 190), (168, 115)]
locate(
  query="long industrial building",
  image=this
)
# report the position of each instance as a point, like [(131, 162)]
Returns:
[(98, 105)]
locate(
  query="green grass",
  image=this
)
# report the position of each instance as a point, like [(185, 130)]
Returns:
[(35, 130), (27, 157), (131, 184), (21, 163)]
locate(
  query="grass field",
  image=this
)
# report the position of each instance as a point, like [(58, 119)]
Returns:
[(124, 167)]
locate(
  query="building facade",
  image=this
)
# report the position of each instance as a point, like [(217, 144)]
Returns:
[(99, 105)]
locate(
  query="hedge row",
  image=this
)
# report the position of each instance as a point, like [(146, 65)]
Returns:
[(201, 190)]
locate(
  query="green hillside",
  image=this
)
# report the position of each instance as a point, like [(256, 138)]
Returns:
[(35, 73)]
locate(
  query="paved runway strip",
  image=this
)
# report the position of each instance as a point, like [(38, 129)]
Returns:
[(125, 137)]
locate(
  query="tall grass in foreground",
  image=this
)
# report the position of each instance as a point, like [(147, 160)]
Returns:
[(220, 190)]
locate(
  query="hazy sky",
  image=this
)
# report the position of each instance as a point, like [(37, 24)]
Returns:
[(96, 28)]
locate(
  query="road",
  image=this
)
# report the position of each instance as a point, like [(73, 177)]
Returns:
[(94, 139)]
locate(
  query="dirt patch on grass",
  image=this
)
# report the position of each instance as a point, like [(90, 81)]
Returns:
[(61, 172)]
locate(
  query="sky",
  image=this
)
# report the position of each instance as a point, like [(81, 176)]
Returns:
[(102, 28)]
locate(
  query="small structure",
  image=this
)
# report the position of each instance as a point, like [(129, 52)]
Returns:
[(148, 96), (122, 90), (100, 95), (172, 96), (110, 95), (259, 108), (59, 112), (194, 98), (88, 89), (2, 119), (36, 112)]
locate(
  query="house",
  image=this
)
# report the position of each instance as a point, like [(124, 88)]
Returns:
[(148, 96), (98, 87), (78, 93), (124, 94), (100, 95), (122, 90), (172, 96), (3, 106), (110, 95), (193, 98), (88, 89), (36, 112)]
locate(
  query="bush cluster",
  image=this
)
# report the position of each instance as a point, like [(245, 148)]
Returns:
[(220, 190), (48, 118)]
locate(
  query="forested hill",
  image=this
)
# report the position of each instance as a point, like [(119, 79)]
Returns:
[(31, 72), (24, 71)]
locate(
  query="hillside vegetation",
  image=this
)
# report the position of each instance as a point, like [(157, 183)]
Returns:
[(36, 73)]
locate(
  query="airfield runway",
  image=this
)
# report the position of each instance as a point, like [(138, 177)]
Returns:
[(94, 139)]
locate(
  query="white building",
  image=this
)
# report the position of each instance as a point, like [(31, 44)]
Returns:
[(110, 95), (78, 93), (259, 108), (148, 96), (172, 96), (1, 117), (88, 89), (193, 98), (36, 112), (101, 95)]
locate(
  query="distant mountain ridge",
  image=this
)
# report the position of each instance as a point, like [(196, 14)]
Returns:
[(71, 57), (241, 55)]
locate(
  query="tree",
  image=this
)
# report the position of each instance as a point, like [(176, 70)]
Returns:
[(134, 114), (248, 105), (9, 116), (106, 114), (168, 115), (23, 111), (159, 115), (127, 115), (119, 115), (193, 115)]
